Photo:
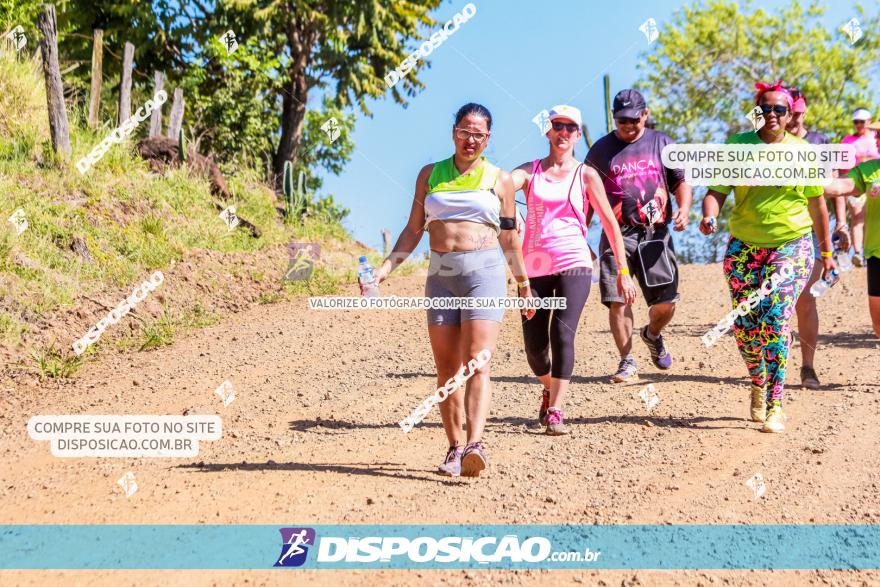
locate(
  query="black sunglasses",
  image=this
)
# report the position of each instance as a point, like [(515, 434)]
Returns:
[(627, 120), (779, 109), (569, 126)]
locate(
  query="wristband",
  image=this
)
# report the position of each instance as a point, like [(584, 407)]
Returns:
[(624, 271), (827, 254), (522, 284)]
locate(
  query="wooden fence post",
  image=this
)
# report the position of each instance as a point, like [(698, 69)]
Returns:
[(156, 116), (386, 242), (125, 84), (58, 126), (97, 77), (175, 120)]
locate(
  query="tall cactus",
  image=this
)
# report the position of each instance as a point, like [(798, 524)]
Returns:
[(181, 145), (288, 188), (296, 198)]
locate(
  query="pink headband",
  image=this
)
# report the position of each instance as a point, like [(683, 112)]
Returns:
[(777, 87)]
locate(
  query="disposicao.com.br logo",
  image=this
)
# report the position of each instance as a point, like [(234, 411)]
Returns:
[(422, 551), (295, 546)]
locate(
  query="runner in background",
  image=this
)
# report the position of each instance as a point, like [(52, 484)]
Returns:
[(808, 315), (638, 187), (769, 229), (865, 179), (558, 192), (863, 139), (466, 206)]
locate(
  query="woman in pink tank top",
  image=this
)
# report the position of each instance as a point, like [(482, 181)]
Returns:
[(560, 192)]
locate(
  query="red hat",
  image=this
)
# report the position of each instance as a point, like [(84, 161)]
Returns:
[(777, 87), (800, 101)]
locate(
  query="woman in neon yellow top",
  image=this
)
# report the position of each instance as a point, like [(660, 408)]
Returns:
[(466, 206), (864, 178), (769, 237)]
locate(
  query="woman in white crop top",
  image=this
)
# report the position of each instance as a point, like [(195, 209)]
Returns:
[(464, 203)]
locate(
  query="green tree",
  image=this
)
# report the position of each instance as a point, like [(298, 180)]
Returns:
[(350, 46), (699, 76), (253, 103), (232, 111), (233, 101)]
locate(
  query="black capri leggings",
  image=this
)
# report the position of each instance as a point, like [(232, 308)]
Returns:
[(554, 330)]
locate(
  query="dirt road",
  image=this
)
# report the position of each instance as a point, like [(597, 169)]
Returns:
[(311, 438)]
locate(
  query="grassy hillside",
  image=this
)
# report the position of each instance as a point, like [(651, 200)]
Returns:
[(106, 230)]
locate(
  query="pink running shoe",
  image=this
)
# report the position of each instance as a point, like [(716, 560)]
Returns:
[(451, 467), (473, 460), (555, 425)]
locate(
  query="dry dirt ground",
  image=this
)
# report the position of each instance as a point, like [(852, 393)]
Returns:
[(311, 439)]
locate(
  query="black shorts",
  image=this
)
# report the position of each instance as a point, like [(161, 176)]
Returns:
[(632, 236), (873, 276)]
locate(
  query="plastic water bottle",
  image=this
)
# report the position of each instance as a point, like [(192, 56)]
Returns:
[(823, 285), (595, 277), (843, 260), (367, 278), (841, 257)]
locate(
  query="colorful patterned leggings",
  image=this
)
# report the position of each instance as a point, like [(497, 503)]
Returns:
[(763, 334)]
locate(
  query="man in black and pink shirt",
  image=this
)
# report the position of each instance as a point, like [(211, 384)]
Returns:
[(638, 188)]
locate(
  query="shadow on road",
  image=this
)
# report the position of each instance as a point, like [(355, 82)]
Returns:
[(850, 340), (512, 425), (660, 421), (393, 470), (646, 377), (327, 426)]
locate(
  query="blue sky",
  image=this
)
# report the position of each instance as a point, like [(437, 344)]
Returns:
[(516, 57)]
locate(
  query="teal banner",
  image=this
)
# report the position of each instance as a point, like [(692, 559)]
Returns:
[(439, 547)]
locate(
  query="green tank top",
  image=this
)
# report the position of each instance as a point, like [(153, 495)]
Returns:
[(445, 177)]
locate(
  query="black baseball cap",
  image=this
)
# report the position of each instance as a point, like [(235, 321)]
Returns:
[(628, 104)]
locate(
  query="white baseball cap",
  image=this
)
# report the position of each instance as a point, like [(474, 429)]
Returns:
[(566, 111), (861, 114)]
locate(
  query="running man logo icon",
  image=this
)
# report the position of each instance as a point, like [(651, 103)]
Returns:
[(302, 261), (756, 484), (542, 120), (226, 393), (229, 41), (854, 30), (756, 117), (652, 212), (229, 217), (17, 37), (331, 127), (128, 484), (19, 220), (294, 546), (649, 28), (649, 396)]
